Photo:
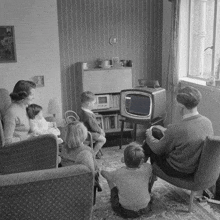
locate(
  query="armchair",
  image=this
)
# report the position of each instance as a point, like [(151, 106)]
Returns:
[(64, 193), (36, 153), (206, 174)]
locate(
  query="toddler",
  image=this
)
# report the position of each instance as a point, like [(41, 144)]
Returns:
[(129, 185), (89, 120), (38, 123)]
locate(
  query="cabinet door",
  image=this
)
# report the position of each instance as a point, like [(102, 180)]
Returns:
[(107, 81)]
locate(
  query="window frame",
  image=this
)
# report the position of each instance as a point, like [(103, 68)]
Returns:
[(185, 41)]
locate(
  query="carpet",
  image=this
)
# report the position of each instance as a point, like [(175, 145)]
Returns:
[(169, 202)]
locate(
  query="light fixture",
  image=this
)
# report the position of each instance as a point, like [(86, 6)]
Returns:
[(113, 40)]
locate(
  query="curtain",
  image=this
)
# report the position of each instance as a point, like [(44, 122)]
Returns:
[(172, 78)]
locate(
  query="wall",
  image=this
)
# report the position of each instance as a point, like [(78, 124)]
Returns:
[(209, 106), (37, 46), (85, 27)]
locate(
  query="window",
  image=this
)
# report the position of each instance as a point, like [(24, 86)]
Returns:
[(204, 39)]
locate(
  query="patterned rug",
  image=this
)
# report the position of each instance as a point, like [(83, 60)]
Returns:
[(169, 202)]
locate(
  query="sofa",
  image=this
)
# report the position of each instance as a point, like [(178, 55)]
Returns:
[(31, 185), (54, 194)]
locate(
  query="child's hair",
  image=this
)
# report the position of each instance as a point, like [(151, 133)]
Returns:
[(86, 98), (133, 155), (76, 134), (33, 110)]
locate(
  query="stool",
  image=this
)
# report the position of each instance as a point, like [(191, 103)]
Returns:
[(149, 123)]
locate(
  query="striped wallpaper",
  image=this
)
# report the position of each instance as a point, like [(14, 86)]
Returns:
[(85, 27)]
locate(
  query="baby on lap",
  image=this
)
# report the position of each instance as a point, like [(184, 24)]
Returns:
[(38, 123)]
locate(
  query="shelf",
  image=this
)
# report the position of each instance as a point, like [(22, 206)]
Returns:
[(111, 68), (106, 110), (117, 130)]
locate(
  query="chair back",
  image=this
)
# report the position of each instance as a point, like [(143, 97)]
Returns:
[(64, 193), (209, 164), (5, 101), (71, 116), (36, 153)]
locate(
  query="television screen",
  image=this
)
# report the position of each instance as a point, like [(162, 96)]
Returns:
[(143, 103), (138, 104)]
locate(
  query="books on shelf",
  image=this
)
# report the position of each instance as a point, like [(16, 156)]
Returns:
[(126, 124), (99, 119), (114, 101), (111, 122)]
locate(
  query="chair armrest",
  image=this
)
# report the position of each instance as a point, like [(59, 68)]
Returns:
[(43, 175)]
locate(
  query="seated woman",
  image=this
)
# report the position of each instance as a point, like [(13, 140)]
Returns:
[(16, 122)]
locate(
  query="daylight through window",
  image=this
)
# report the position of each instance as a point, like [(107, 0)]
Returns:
[(204, 39)]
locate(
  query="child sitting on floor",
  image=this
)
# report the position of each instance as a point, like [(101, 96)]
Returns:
[(89, 120), (129, 185), (38, 123)]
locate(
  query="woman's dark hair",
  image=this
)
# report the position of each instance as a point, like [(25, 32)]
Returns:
[(33, 110), (22, 90), (133, 155)]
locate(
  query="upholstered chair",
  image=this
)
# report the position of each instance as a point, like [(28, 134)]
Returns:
[(206, 174), (59, 193), (36, 153)]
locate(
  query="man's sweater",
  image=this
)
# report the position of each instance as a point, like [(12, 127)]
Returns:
[(182, 142)]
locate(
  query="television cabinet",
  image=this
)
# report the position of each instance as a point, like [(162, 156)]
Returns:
[(109, 81)]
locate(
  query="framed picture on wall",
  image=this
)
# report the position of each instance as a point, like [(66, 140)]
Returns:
[(7, 44), (39, 81)]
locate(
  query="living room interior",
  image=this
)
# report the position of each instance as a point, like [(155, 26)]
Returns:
[(79, 32), (52, 36)]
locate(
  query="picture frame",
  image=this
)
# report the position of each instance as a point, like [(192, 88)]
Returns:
[(7, 44), (39, 81)]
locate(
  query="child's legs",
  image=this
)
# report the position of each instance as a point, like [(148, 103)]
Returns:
[(121, 211), (100, 141)]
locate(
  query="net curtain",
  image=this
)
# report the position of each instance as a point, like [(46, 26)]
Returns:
[(171, 79)]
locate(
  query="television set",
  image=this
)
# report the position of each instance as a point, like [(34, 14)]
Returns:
[(143, 103)]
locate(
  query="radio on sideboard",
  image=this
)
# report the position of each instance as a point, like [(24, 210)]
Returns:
[(102, 101)]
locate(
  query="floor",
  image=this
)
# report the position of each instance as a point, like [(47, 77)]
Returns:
[(169, 202)]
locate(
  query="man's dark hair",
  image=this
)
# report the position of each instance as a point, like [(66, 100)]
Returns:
[(189, 97)]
